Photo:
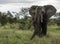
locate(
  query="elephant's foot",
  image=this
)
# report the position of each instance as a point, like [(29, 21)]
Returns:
[(32, 36), (38, 34)]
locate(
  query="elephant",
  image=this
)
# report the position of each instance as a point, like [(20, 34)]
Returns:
[(40, 16)]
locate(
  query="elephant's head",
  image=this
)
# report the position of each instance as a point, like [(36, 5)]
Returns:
[(36, 12), (49, 10)]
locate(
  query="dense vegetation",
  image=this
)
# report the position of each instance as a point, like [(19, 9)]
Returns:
[(13, 36), (23, 20)]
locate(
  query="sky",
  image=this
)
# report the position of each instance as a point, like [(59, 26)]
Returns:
[(15, 5)]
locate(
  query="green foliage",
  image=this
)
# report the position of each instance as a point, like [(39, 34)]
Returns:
[(11, 36), (25, 22), (7, 18), (3, 18)]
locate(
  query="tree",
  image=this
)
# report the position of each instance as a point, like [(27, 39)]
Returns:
[(3, 18)]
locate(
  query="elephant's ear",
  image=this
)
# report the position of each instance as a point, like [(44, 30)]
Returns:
[(50, 10), (32, 10)]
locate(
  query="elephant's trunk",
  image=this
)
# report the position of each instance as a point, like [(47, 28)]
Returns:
[(38, 17), (35, 17)]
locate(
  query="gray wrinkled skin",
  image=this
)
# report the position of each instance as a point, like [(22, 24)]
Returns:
[(40, 16)]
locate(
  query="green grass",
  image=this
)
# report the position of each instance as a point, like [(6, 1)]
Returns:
[(11, 36)]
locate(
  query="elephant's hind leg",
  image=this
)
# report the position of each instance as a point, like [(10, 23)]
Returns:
[(44, 28)]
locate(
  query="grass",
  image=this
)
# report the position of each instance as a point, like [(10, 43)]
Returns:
[(11, 36)]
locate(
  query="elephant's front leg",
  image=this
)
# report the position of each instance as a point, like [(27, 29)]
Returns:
[(35, 30)]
